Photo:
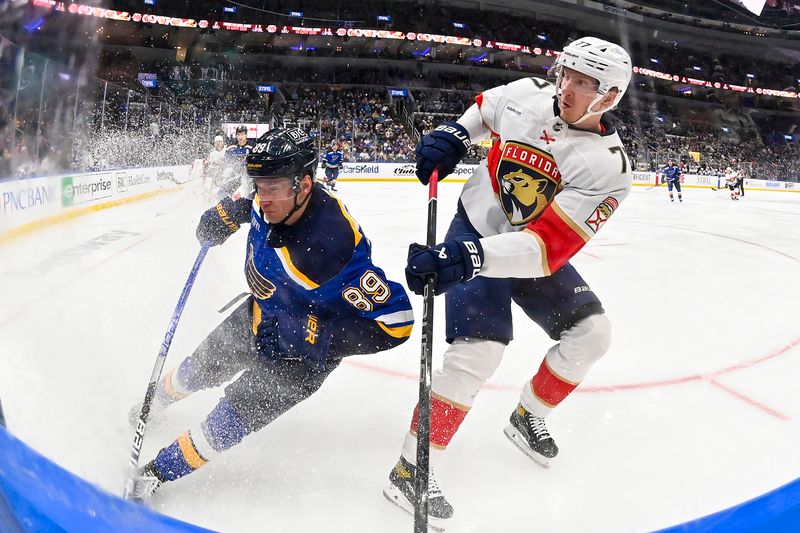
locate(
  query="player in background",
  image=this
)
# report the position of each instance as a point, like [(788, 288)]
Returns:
[(214, 165), (672, 174), (333, 163), (731, 178), (316, 297), (740, 180), (555, 173), (234, 174)]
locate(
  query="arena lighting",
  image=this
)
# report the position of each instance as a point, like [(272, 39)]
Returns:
[(542, 37), (147, 18), (150, 2), (295, 13), (35, 25), (384, 18), (423, 53), (654, 60), (460, 25), (265, 88), (751, 76), (787, 137), (398, 92), (697, 68), (229, 9), (64, 76), (481, 58)]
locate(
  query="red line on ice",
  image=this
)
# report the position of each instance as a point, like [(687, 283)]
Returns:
[(709, 377)]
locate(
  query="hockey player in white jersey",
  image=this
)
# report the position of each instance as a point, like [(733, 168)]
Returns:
[(731, 179), (554, 175)]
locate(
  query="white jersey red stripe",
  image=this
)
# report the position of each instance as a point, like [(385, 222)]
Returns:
[(558, 183)]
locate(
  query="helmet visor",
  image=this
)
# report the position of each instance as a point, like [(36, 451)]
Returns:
[(577, 82), (274, 189)]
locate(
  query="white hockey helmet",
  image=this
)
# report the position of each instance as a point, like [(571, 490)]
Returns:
[(604, 61)]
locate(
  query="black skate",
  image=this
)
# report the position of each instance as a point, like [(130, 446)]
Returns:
[(529, 434), (401, 492), (147, 483)]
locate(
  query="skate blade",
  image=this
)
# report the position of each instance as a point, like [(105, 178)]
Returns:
[(394, 495), (518, 441)]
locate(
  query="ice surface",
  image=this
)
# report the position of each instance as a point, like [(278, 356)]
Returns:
[(695, 407)]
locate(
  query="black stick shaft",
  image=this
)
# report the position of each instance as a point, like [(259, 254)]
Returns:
[(426, 356)]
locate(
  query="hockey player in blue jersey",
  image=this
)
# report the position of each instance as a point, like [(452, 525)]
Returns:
[(333, 163), (315, 297), (672, 175)]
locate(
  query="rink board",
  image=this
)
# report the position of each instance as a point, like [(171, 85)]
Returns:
[(402, 172), (29, 203)]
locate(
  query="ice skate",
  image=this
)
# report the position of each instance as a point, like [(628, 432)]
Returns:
[(401, 492), (146, 483), (529, 434)]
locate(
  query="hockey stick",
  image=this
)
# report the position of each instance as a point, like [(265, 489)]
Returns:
[(233, 302), (141, 424), (654, 186), (425, 363)]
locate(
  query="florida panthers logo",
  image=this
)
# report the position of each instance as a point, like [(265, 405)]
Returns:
[(527, 178)]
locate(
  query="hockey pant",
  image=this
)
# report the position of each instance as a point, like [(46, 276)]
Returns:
[(265, 390)]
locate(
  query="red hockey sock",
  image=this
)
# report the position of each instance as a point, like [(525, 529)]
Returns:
[(446, 418), (550, 388)]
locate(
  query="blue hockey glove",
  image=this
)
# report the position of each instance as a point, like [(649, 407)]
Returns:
[(307, 342), (443, 148), (450, 263), (223, 220)]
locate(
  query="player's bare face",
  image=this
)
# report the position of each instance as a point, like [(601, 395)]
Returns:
[(276, 196), (241, 138), (577, 92)]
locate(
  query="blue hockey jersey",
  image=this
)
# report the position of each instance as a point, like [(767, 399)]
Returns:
[(315, 282), (333, 159), (671, 173)]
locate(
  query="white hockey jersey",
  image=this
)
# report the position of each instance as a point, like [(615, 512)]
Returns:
[(731, 176), (545, 188)]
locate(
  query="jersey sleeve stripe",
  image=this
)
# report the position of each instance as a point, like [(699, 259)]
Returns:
[(293, 272), (569, 222), (398, 332), (479, 100), (256, 316), (558, 238), (353, 223), (397, 318)]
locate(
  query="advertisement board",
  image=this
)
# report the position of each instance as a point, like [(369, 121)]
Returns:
[(28, 199), (27, 203)]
